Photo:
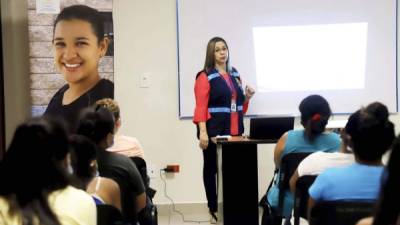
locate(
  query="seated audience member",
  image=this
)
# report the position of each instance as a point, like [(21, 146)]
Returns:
[(83, 161), (125, 145), (131, 147), (388, 207), (34, 173), (98, 125), (317, 162), (369, 134), (315, 113)]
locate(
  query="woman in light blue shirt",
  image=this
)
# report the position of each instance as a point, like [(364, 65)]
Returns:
[(370, 134), (315, 112)]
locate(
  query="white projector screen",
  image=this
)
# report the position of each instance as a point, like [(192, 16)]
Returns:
[(344, 50)]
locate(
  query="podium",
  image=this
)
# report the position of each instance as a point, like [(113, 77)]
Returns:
[(238, 180)]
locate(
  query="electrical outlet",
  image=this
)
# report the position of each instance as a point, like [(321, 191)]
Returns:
[(172, 168), (152, 170)]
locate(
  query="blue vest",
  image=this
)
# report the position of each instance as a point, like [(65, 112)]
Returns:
[(219, 103)]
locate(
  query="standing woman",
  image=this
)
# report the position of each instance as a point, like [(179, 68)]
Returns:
[(220, 105), (79, 44)]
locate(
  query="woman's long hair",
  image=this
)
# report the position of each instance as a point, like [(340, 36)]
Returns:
[(33, 167), (388, 208), (83, 153)]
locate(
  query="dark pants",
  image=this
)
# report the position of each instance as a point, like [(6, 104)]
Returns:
[(210, 175)]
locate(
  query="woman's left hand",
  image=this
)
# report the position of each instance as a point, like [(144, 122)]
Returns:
[(249, 92)]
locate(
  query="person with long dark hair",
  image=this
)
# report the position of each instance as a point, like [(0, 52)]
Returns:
[(35, 179), (315, 113), (83, 160), (220, 104)]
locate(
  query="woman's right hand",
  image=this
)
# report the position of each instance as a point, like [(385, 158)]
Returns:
[(203, 140)]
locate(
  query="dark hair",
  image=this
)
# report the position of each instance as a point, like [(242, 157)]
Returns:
[(83, 152), (85, 13), (371, 131), (96, 123), (315, 113), (388, 207), (34, 160), (210, 54)]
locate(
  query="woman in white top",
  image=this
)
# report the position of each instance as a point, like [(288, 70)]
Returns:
[(317, 162)]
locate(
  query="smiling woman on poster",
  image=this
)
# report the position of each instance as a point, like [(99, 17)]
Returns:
[(79, 44), (220, 105)]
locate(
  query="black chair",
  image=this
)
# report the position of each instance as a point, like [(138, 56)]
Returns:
[(148, 215), (142, 168), (301, 197), (108, 215), (340, 212), (288, 166)]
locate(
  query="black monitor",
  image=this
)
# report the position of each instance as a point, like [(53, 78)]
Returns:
[(271, 128)]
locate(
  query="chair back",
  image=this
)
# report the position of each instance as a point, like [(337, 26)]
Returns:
[(340, 212), (301, 197), (289, 164), (108, 215), (141, 165)]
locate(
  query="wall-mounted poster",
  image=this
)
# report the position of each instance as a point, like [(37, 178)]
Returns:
[(54, 75)]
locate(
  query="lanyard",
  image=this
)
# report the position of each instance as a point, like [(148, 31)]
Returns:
[(229, 82)]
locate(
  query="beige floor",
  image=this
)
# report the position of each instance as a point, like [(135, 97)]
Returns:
[(176, 219)]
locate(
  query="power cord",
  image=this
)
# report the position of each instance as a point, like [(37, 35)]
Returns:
[(173, 205)]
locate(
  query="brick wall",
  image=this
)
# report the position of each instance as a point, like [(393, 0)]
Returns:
[(45, 80)]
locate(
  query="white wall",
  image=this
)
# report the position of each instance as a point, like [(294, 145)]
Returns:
[(146, 43)]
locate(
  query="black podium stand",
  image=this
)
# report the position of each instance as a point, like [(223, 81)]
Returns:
[(238, 181)]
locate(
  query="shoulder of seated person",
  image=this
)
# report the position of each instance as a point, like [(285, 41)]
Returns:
[(107, 180), (70, 190), (110, 183), (128, 138), (365, 221)]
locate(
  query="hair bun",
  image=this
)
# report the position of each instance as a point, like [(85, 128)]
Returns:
[(379, 111)]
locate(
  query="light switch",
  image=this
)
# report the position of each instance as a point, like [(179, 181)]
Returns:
[(144, 80)]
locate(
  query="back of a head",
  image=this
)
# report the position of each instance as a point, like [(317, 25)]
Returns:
[(315, 112), (33, 164), (96, 123), (371, 132), (83, 153), (85, 13), (111, 105)]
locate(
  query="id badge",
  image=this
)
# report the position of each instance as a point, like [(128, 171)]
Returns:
[(233, 106)]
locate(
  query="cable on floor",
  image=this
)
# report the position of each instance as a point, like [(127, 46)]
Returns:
[(173, 205)]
